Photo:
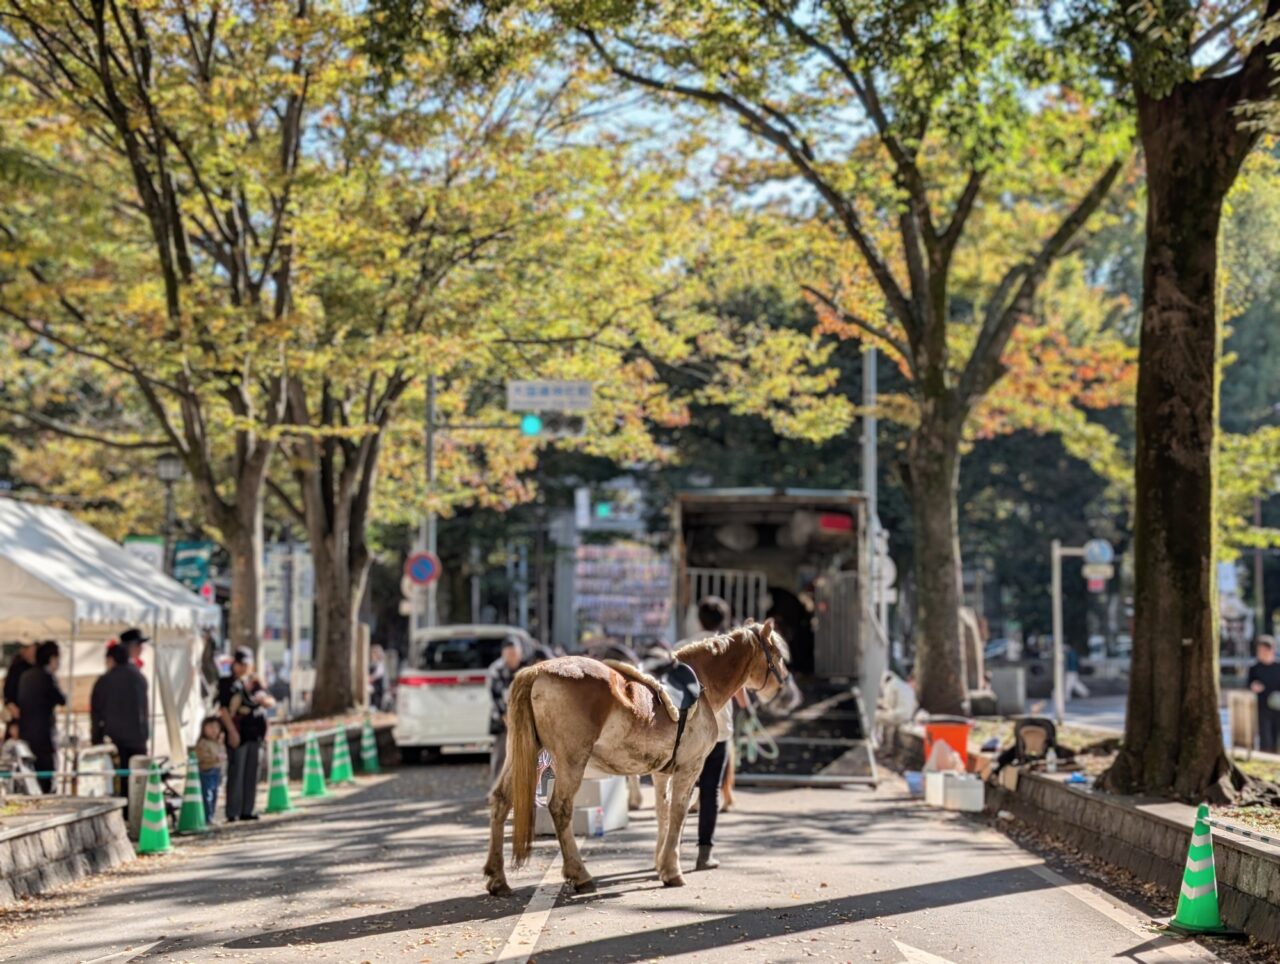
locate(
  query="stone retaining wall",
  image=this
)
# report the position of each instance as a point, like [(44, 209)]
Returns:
[(1147, 837), (79, 837)]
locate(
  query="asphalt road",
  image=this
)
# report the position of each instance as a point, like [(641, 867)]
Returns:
[(391, 872)]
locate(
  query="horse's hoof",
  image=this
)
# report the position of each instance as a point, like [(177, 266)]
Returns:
[(677, 881), (499, 888), (587, 886)]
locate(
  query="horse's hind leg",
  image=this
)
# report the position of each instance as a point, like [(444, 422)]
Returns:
[(499, 807), (568, 780), (669, 852), (633, 793), (661, 786)]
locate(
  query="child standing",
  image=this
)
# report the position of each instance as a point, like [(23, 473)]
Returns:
[(210, 757)]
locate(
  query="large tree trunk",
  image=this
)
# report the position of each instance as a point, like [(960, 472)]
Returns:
[(338, 595), (244, 545), (1173, 736), (934, 461)]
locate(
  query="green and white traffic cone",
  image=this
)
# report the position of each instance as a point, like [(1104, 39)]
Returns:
[(340, 769), (1198, 901), (153, 837), (368, 748), (313, 770), (278, 795), (191, 816)]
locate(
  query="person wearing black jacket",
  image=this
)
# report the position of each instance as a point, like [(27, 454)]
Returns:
[(118, 709), (22, 661), (243, 702), (1264, 680), (39, 697)]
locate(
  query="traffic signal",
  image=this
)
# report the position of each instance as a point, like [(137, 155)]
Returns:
[(552, 425)]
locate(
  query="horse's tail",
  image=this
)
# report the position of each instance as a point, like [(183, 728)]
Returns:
[(522, 757)]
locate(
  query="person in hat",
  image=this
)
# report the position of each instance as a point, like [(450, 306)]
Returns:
[(243, 702), (132, 640), (23, 660), (118, 709), (39, 697)]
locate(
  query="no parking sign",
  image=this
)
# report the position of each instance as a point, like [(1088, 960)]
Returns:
[(422, 568)]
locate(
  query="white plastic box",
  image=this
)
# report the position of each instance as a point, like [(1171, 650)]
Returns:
[(607, 795), (954, 791), (610, 795), (588, 821), (965, 792)]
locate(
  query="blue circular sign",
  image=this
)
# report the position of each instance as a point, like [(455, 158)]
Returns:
[(422, 568), (1098, 552)]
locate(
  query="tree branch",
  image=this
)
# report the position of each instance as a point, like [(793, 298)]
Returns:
[(1002, 316), (960, 215), (290, 507), (756, 122), (875, 331), (71, 431)]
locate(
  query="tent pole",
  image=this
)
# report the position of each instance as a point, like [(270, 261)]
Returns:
[(155, 684), (70, 716)]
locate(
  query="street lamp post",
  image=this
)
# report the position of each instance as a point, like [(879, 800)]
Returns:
[(169, 470)]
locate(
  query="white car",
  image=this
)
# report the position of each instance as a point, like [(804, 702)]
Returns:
[(442, 693)]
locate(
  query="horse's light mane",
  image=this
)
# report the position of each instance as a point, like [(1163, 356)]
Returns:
[(713, 645)]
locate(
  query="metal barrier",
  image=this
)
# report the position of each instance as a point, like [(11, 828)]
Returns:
[(839, 642), (743, 589)]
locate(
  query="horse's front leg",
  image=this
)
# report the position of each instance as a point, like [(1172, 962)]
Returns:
[(499, 807), (633, 792), (661, 787), (568, 780), (682, 782)]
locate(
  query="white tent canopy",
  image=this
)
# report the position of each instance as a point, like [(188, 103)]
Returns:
[(64, 580), (59, 576)]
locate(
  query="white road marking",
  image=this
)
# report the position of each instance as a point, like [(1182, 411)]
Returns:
[(131, 953), (1159, 948), (1165, 949), (520, 945), (913, 955)]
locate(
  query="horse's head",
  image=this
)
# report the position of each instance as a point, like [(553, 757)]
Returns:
[(769, 672)]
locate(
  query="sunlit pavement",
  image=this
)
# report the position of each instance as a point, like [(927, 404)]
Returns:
[(1108, 713), (391, 872)]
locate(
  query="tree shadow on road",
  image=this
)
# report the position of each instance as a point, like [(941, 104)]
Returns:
[(753, 924), (440, 913)]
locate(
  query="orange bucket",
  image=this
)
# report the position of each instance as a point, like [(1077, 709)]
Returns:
[(951, 730)]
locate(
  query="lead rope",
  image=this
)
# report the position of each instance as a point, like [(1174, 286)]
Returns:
[(754, 741)]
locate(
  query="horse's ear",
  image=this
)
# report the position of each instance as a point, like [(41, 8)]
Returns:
[(765, 632)]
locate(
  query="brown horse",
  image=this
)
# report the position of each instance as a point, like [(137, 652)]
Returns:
[(587, 713)]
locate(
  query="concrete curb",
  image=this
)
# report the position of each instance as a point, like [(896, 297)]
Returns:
[(1145, 836), (388, 755)]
